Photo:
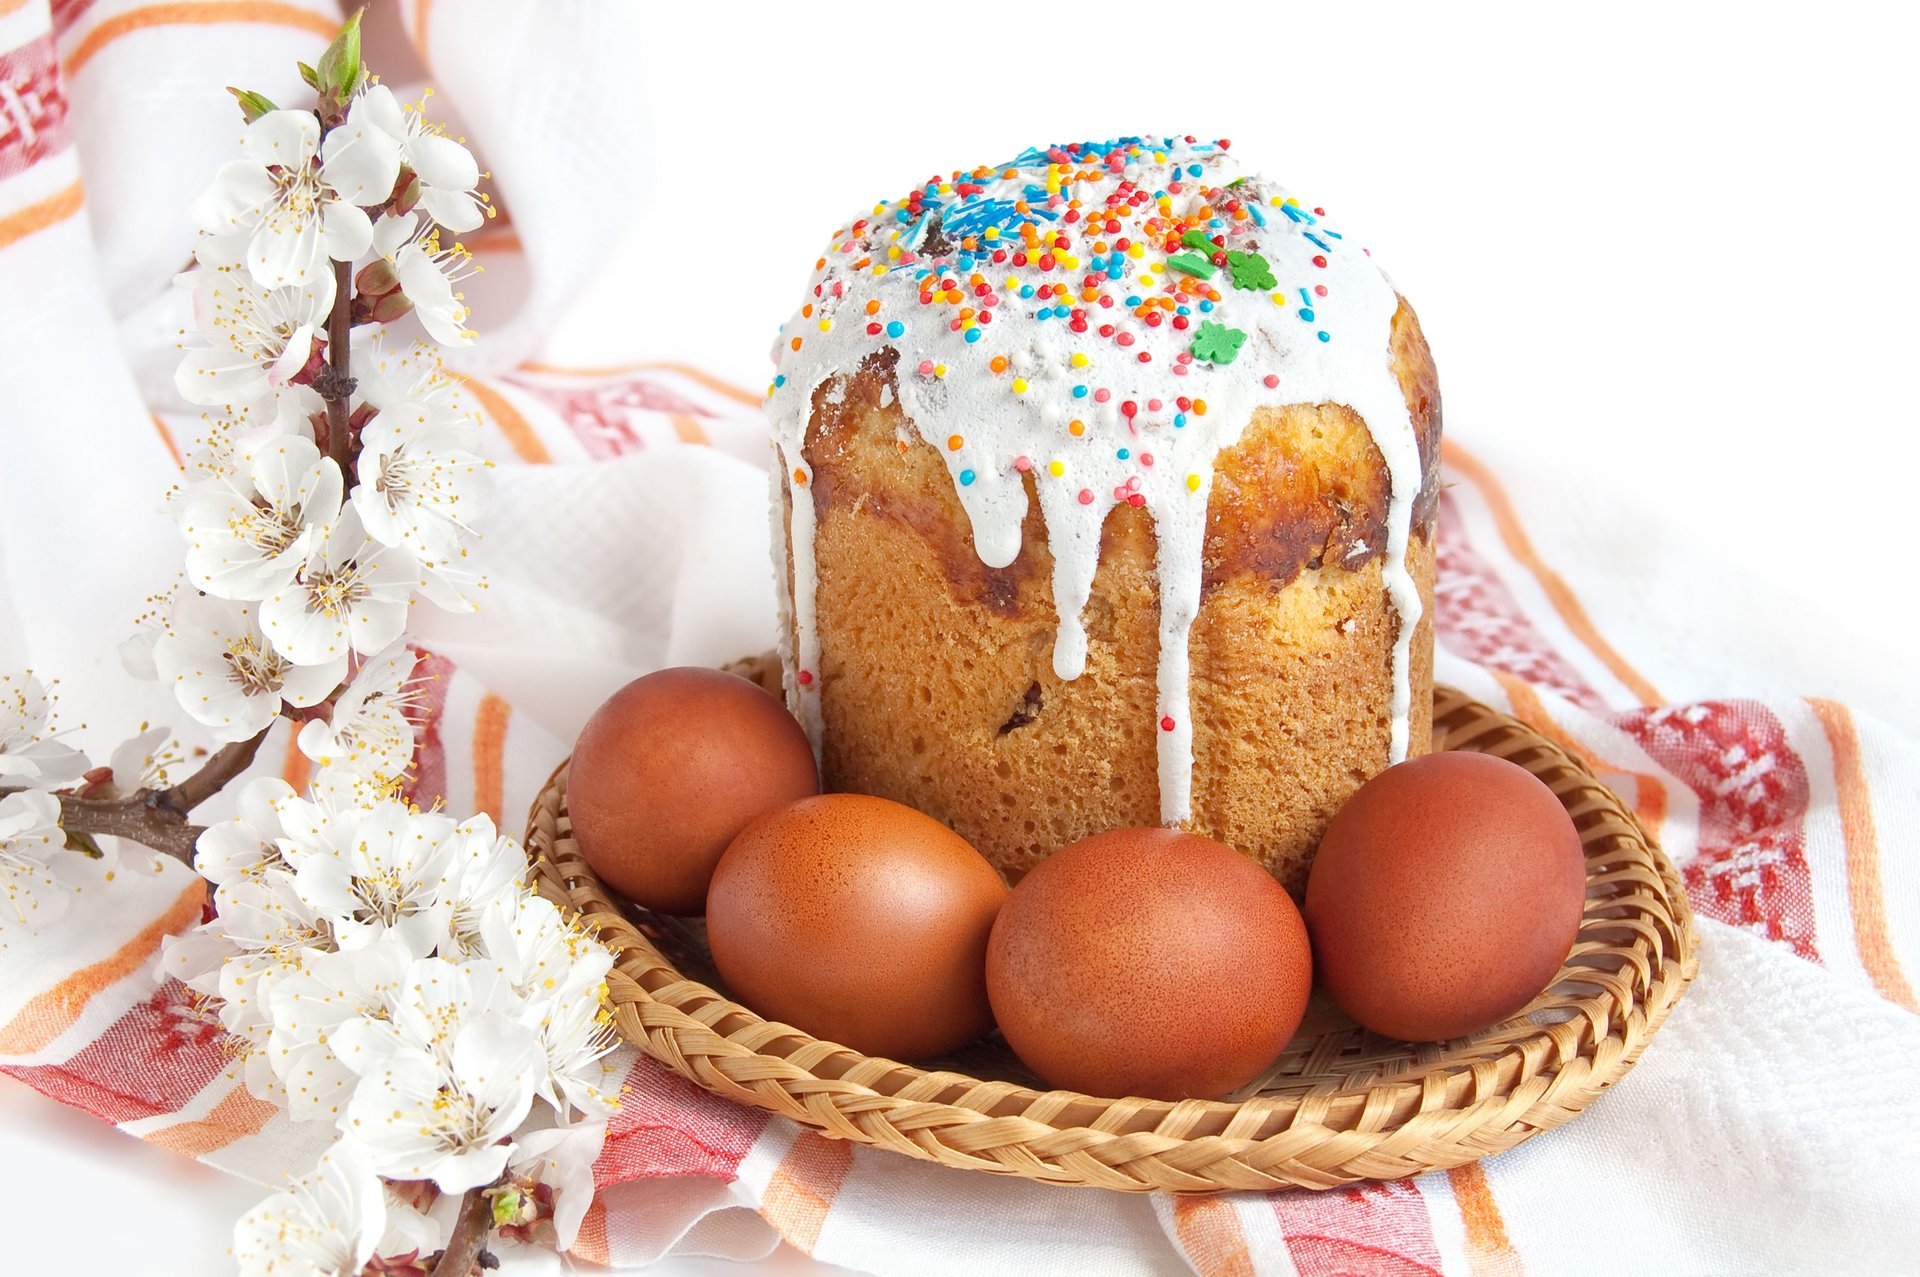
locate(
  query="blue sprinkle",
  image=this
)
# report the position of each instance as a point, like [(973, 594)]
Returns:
[(966, 478), (1316, 239), (1333, 234), (1182, 310), (1026, 290), (1294, 214), (1194, 170), (1205, 306), (1043, 313), (1132, 302), (965, 262), (1304, 299), (896, 328), (1258, 217), (1061, 312), (973, 334), (1179, 420), (1123, 454), (1306, 314), (1324, 337), (780, 380), (1079, 392)]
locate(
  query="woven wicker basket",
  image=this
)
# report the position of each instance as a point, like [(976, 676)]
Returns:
[(1340, 1104)]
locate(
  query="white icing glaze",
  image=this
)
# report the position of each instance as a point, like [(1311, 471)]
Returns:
[(1138, 441)]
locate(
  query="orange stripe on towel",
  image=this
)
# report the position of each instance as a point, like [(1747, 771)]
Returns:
[(519, 432), (688, 429), (803, 1187), (1489, 1252), (1866, 892), (34, 218), (590, 1245), (1209, 1232), (489, 751), (199, 13), (235, 1117), (166, 437), (1650, 796), (1556, 589), (47, 1015)]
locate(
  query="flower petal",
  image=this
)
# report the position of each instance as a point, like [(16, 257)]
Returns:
[(239, 190), (444, 163), (361, 163), (286, 251), (455, 210), (286, 138), (348, 230)]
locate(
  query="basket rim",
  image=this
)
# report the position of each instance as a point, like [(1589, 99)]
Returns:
[(1520, 1076)]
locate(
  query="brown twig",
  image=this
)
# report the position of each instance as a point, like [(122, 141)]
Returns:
[(157, 818), (335, 384), (469, 1236)]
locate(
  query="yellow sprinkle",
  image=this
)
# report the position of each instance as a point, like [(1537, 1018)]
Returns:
[(1056, 468), (1070, 262), (1012, 283), (1279, 299), (946, 188), (879, 270), (993, 233), (894, 252), (939, 370), (1019, 385), (826, 325), (1137, 250), (1193, 483), (1079, 359)]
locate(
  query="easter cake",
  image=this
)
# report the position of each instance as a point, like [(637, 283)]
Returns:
[(1105, 498)]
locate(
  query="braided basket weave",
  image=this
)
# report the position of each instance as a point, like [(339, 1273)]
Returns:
[(1339, 1105)]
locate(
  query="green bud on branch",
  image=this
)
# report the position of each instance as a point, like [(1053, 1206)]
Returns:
[(252, 105)]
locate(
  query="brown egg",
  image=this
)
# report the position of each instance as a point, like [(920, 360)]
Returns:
[(1445, 896), (860, 921), (670, 769), (1148, 962)]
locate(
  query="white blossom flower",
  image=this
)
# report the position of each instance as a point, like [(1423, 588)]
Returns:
[(371, 729), (228, 676), (446, 169), (420, 485), (560, 1160), (261, 931), (422, 1116), (33, 890), (379, 871), (486, 875), (139, 762), (351, 594), (257, 340), (427, 273), (29, 758), (306, 1010), (557, 972), (296, 214), (248, 844), (249, 536), (327, 1223)]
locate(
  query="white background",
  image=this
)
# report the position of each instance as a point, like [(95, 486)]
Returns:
[(1670, 251)]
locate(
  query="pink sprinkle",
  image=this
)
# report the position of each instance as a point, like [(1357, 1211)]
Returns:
[(805, 678), (1186, 356), (1166, 724), (991, 299), (1179, 370), (1125, 339), (1146, 458), (1153, 405), (1119, 494), (1086, 496), (1023, 463), (1271, 381), (1319, 290), (1133, 483), (926, 367), (1145, 357), (839, 288), (1102, 395)]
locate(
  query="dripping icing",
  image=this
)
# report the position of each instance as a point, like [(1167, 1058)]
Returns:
[(1001, 409)]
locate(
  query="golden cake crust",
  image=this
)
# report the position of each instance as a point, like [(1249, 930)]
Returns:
[(936, 671)]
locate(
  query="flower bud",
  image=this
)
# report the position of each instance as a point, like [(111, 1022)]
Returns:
[(376, 279), (406, 192)]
